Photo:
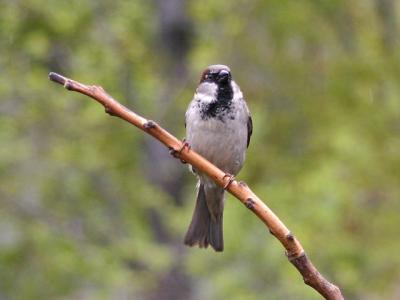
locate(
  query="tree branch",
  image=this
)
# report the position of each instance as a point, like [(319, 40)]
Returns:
[(294, 250)]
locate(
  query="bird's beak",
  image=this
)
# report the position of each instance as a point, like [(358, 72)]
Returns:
[(223, 76)]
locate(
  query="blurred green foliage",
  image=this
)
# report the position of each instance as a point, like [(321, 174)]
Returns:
[(80, 214)]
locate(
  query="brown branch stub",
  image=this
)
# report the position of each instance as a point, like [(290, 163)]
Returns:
[(149, 125), (243, 184), (241, 191), (290, 237), (250, 203), (109, 111)]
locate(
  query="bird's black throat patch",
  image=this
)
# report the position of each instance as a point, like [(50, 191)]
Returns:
[(221, 107)]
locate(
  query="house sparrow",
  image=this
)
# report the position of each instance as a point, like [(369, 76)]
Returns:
[(218, 127)]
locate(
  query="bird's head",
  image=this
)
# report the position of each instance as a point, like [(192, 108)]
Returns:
[(218, 74)]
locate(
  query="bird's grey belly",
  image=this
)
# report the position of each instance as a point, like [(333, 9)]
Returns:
[(222, 143)]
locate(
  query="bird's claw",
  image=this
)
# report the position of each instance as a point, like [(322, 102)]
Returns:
[(230, 178), (177, 153)]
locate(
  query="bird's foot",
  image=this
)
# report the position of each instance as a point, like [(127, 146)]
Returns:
[(177, 153), (230, 179)]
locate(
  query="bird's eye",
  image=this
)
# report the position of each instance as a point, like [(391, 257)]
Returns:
[(210, 75)]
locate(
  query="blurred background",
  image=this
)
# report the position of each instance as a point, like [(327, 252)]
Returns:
[(91, 208)]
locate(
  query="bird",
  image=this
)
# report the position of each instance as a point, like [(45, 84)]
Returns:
[(218, 127)]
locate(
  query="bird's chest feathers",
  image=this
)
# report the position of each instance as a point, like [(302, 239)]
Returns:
[(220, 106), (216, 132), (214, 127), (222, 143), (216, 110)]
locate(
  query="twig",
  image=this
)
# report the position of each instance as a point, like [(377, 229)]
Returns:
[(294, 250)]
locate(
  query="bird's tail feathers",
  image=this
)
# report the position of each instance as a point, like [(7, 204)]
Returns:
[(206, 229)]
